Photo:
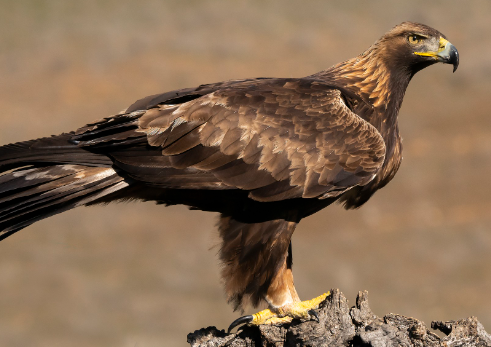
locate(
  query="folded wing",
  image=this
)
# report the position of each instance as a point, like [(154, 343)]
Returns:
[(276, 138)]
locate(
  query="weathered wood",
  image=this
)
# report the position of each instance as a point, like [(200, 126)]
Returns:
[(340, 325)]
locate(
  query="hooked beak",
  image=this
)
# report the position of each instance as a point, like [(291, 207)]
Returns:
[(447, 54)]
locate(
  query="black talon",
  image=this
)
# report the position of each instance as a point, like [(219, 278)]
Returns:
[(313, 313), (240, 320)]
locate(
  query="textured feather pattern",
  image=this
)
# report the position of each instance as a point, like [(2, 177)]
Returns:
[(31, 194), (47, 176), (281, 138), (55, 150), (277, 138), (252, 255)]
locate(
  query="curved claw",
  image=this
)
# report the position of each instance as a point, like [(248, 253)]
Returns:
[(240, 320), (314, 314)]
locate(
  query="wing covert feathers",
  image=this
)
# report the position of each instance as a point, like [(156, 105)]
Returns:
[(279, 139)]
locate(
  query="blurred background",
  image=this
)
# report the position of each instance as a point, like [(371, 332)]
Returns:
[(144, 275)]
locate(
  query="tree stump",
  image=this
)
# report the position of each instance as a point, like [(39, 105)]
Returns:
[(340, 325)]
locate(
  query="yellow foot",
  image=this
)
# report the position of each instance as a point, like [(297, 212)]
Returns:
[(284, 314)]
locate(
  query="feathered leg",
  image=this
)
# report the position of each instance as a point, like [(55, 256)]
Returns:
[(257, 263), (254, 257)]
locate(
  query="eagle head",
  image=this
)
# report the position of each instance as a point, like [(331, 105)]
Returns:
[(417, 46)]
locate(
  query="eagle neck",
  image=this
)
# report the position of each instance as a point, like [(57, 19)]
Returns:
[(379, 82)]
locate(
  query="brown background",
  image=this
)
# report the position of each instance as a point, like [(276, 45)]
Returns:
[(143, 275)]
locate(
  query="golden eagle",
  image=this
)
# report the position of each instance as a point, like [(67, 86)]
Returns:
[(263, 152)]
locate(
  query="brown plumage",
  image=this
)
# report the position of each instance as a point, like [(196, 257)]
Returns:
[(263, 152)]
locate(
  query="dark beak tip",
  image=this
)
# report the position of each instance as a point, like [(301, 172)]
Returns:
[(455, 62), (454, 58)]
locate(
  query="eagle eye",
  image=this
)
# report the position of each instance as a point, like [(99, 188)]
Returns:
[(415, 39)]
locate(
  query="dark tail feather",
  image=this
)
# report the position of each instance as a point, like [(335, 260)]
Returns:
[(50, 176), (52, 150)]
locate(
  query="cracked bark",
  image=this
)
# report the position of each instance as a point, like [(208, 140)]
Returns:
[(342, 325)]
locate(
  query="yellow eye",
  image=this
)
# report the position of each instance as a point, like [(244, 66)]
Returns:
[(414, 39)]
